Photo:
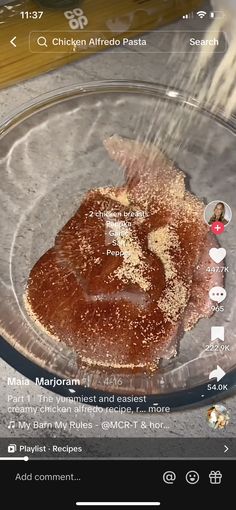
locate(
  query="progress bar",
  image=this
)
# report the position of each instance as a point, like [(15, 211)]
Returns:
[(15, 458), (117, 503)]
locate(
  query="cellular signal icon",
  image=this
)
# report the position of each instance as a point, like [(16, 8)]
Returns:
[(201, 14), (188, 16)]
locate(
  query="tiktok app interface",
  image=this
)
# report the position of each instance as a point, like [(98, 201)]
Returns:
[(118, 227)]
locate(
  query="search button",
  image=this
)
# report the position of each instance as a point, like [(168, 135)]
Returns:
[(169, 477), (42, 41)]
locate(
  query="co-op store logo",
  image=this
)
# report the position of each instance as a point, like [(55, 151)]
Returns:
[(76, 19)]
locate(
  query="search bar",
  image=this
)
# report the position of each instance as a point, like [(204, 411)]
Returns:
[(159, 41)]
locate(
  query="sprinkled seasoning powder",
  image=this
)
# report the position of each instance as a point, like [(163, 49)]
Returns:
[(120, 282)]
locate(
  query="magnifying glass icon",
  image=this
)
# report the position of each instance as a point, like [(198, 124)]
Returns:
[(42, 41)]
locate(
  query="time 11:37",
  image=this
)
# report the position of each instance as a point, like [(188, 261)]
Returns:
[(31, 15)]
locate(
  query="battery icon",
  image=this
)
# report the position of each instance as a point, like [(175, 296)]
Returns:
[(217, 14)]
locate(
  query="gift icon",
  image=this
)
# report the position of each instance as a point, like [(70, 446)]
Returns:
[(215, 477)]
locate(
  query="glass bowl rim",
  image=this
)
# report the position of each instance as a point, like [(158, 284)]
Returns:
[(48, 99)]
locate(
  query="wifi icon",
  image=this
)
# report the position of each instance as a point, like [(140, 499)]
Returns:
[(201, 14)]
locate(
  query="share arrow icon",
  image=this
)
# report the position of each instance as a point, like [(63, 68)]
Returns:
[(218, 374)]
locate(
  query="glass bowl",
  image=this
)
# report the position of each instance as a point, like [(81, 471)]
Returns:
[(51, 153)]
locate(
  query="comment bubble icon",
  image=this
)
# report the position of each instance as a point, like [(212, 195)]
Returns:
[(217, 294)]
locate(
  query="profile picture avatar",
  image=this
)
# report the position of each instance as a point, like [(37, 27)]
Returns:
[(217, 211)]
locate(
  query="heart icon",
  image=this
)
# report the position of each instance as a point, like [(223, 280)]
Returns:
[(217, 254)]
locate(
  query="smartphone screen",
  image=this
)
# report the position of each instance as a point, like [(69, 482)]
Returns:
[(117, 253)]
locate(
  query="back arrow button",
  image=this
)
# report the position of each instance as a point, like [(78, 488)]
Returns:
[(12, 41)]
